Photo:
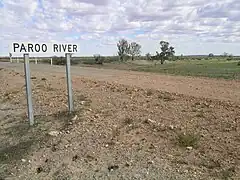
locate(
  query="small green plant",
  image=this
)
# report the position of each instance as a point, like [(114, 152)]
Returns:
[(188, 140), (128, 121), (228, 173), (149, 92), (166, 97), (98, 59), (58, 60), (200, 114)]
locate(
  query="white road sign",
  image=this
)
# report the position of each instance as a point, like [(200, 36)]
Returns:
[(43, 48)]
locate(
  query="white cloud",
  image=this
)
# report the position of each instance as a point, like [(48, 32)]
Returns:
[(98, 25)]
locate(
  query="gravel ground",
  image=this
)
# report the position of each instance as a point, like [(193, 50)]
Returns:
[(122, 127)]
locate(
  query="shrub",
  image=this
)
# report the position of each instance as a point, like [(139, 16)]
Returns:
[(211, 55), (61, 61), (111, 59), (45, 61), (238, 63), (188, 140), (58, 60), (89, 61), (98, 59)]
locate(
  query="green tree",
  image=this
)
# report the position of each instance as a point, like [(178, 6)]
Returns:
[(148, 57), (225, 54), (123, 48), (166, 51), (98, 59), (134, 49), (211, 55)]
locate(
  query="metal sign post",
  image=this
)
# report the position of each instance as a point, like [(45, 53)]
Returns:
[(28, 89), (69, 82), (10, 57), (43, 48)]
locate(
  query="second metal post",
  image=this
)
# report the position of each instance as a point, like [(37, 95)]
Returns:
[(28, 89), (69, 82)]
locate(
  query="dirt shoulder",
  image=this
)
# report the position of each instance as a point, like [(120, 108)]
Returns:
[(225, 90)]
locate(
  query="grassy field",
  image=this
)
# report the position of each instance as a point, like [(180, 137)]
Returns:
[(204, 68), (201, 68)]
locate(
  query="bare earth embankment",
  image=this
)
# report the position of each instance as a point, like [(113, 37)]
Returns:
[(127, 125)]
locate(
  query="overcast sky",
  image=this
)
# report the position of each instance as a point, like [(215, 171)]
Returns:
[(191, 26)]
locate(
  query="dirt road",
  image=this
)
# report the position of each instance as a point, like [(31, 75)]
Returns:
[(226, 90)]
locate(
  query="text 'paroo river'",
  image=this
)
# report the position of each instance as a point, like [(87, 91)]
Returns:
[(52, 48)]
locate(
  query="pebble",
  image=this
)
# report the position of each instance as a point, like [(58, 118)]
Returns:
[(82, 102), (24, 160), (96, 116), (151, 121), (185, 171), (113, 167), (74, 118), (54, 133), (189, 148)]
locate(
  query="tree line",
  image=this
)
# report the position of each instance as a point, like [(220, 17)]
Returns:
[(133, 50)]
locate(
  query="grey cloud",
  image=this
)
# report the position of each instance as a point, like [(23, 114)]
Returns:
[(233, 5), (95, 2), (211, 22), (212, 11), (134, 16), (229, 10)]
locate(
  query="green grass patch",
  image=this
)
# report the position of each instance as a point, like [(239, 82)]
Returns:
[(188, 140), (203, 68)]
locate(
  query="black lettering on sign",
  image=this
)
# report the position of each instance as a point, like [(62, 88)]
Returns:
[(69, 48), (60, 49), (37, 47), (44, 47), (30, 47), (74, 48), (55, 48), (15, 46), (64, 46), (23, 48)]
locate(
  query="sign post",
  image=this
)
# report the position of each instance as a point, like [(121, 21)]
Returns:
[(44, 48), (28, 89), (69, 82), (10, 57)]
